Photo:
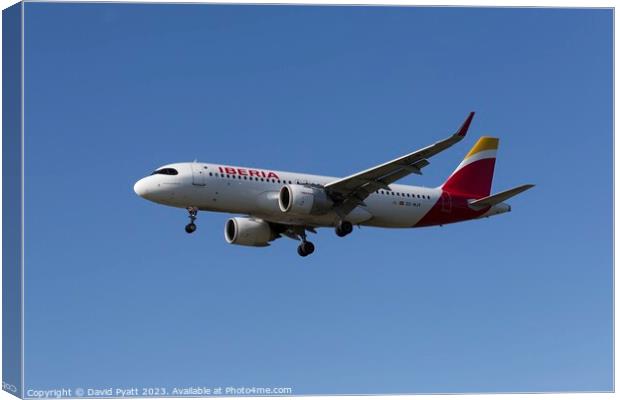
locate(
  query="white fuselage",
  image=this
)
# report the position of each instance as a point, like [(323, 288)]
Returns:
[(249, 191)]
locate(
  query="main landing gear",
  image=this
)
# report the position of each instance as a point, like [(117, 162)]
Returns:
[(344, 228), (191, 227), (305, 248)]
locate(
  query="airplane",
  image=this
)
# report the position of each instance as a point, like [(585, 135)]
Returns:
[(273, 204)]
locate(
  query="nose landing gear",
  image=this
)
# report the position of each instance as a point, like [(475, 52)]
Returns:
[(191, 227)]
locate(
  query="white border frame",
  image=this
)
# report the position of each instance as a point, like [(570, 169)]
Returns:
[(478, 3)]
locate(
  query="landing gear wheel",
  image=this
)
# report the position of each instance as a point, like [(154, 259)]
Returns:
[(344, 228), (191, 227), (305, 249)]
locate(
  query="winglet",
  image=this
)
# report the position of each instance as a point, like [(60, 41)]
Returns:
[(463, 129)]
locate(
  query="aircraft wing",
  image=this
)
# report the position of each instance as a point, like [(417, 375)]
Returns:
[(352, 190)]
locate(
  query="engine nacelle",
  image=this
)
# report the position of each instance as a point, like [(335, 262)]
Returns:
[(247, 231), (304, 200)]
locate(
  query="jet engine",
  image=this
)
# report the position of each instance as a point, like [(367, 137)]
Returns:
[(248, 231), (301, 199)]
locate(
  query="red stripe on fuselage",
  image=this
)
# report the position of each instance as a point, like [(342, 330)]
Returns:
[(450, 208)]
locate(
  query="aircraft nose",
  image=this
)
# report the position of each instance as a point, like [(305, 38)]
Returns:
[(140, 188)]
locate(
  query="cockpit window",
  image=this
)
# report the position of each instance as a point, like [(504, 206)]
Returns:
[(166, 171)]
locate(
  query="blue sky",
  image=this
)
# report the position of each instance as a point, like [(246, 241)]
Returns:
[(119, 295)]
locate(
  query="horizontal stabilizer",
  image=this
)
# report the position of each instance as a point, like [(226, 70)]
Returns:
[(490, 201)]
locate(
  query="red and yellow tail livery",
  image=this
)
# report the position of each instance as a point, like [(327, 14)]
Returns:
[(474, 175)]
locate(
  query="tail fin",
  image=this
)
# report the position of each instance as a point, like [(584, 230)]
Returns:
[(474, 175)]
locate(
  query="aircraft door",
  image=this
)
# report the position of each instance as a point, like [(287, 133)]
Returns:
[(446, 202), (199, 173)]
